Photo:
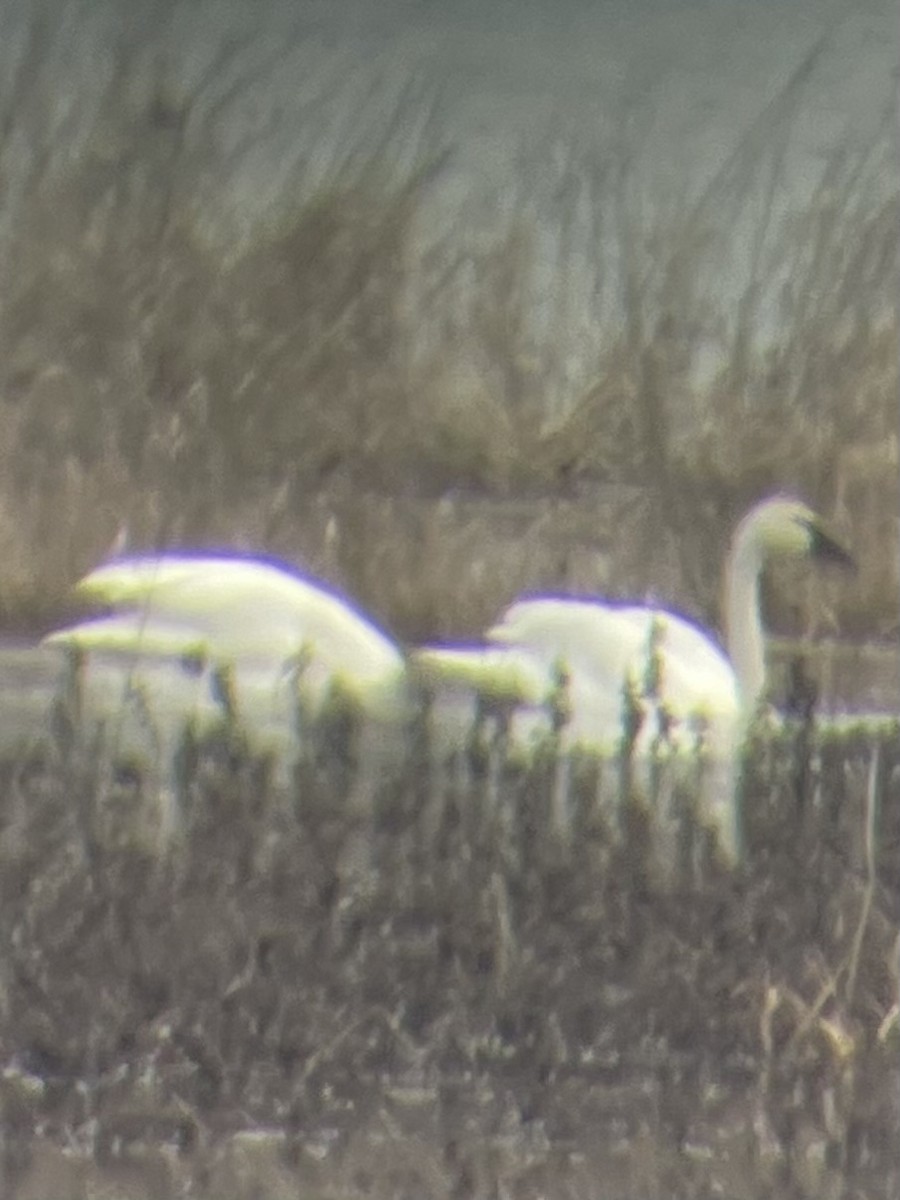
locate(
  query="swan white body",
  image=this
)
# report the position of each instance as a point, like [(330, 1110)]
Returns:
[(141, 683), (145, 682), (135, 708), (132, 637), (290, 648), (589, 657), (606, 649), (254, 610), (683, 681)]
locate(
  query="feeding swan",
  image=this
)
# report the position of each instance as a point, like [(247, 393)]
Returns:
[(147, 676), (169, 669), (255, 609), (676, 668), (134, 694)]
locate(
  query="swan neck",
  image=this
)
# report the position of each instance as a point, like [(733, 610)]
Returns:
[(743, 624)]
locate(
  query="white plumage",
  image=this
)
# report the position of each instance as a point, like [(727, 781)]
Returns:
[(133, 637), (171, 673), (182, 624), (249, 610), (144, 682), (612, 655), (574, 668)]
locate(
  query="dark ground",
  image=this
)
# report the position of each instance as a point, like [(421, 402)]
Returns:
[(445, 996)]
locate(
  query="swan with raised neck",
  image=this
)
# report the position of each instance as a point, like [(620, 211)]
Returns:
[(778, 527)]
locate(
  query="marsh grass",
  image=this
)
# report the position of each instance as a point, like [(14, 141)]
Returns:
[(478, 986), (343, 384), (489, 998)]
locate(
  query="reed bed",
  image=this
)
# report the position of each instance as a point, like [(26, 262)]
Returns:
[(481, 982), (351, 379)]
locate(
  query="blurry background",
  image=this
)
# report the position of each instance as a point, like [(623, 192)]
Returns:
[(449, 300)]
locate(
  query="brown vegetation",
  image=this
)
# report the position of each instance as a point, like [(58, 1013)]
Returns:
[(450, 994), (439, 997), (339, 385)]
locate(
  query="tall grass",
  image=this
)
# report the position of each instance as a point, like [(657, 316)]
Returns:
[(338, 380), (449, 993), (440, 995)]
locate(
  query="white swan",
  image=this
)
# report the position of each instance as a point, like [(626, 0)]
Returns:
[(291, 648), (686, 684), (142, 680), (133, 695), (169, 671), (250, 609), (131, 636)]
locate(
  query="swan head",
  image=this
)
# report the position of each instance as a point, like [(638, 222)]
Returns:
[(783, 527), (778, 528)]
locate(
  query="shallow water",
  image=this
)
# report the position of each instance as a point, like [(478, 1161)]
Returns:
[(857, 678)]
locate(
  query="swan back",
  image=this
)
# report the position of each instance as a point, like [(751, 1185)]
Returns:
[(613, 646), (611, 654), (257, 609)]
